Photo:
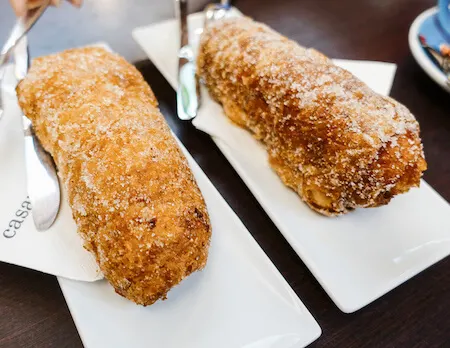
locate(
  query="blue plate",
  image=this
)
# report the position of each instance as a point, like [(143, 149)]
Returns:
[(427, 25)]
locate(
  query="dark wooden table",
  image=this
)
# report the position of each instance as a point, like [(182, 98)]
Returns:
[(416, 314)]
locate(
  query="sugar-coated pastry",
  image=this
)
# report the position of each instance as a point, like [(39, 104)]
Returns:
[(329, 137), (132, 194)]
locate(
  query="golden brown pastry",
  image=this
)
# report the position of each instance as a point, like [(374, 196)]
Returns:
[(329, 137), (133, 196)]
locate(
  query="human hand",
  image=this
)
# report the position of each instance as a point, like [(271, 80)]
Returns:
[(20, 7)]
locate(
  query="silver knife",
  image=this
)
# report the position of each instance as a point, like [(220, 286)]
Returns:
[(188, 92), (20, 29), (42, 180)]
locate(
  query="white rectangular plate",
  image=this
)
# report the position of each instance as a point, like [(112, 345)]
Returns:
[(357, 257), (239, 300)]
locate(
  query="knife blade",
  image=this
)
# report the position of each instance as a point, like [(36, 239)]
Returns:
[(42, 180), (188, 91), (21, 27)]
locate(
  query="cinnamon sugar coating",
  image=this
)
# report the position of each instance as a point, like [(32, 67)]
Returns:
[(329, 137), (134, 199)]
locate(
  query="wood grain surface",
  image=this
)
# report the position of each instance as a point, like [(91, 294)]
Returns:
[(33, 312)]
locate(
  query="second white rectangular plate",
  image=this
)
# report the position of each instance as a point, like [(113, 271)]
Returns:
[(239, 300), (357, 257)]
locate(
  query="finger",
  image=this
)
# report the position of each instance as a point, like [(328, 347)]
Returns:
[(19, 7), (76, 3), (55, 2)]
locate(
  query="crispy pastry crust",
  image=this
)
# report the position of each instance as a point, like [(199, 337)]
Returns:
[(133, 196), (329, 137)]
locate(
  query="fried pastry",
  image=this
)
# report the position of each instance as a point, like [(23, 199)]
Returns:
[(329, 137), (134, 199)]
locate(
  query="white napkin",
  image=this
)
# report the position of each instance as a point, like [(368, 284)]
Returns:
[(210, 119), (58, 251)]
